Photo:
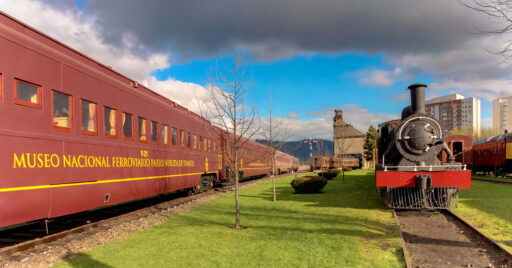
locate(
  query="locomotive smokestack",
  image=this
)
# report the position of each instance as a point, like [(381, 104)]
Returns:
[(417, 98)]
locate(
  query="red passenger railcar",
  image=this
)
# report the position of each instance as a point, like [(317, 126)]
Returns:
[(286, 163), (493, 155), (318, 162), (76, 135)]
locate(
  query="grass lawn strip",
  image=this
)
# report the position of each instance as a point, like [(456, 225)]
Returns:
[(488, 207), (346, 226), (507, 179)]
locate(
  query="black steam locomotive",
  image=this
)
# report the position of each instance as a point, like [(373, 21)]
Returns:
[(409, 174)]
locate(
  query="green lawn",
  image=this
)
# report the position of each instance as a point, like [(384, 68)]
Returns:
[(488, 207), (346, 226), (507, 179)]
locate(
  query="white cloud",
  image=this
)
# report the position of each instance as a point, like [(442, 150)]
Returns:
[(81, 33), (356, 115), (487, 89), (378, 78), (321, 126), (293, 115), (382, 78), (316, 128), (189, 95)]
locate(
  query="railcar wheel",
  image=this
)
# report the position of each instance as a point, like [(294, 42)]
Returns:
[(194, 190)]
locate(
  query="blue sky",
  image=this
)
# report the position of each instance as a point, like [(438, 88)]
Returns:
[(304, 84), (316, 56)]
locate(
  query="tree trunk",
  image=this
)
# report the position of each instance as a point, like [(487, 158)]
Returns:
[(237, 177), (274, 175)]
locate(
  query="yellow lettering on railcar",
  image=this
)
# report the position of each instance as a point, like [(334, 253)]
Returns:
[(44, 160), (19, 161)]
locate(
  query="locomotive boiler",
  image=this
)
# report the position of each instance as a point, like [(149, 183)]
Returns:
[(409, 174)]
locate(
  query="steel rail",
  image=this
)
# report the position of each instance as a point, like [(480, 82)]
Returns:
[(507, 254), (492, 181), (405, 251)]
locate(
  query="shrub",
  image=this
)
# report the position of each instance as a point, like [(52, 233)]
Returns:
[(335, 170), (309, 184), (348, 169), (328, 174)]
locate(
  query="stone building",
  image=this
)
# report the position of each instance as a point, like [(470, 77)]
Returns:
[(348, 141)]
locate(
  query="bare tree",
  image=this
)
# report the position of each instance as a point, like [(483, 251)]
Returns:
[(501, 11), (275, 134), (229, 110)]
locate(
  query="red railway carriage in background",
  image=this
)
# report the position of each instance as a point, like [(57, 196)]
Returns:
[(493, 155), (76, 135), (462, 149), (328, 162), (319, 162), (286, 163)]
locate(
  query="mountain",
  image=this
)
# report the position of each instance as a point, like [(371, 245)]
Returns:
[(301, 150)]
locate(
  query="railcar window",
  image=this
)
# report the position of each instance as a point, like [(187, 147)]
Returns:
[(110, 116), (127, 126), (143, 130), (188, 140), (165, 134), (28, 94), (182, 138), (61, 111), (154, 132), (174, 136), (209, 145), (195, 142), (200, 142), (89, 118)]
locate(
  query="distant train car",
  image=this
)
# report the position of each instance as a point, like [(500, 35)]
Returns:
[(319, 162), (462, 149), (286, 163), (493, 155), (351, 162)]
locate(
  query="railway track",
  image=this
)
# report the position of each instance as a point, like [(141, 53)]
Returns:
[(492, 181), (30, 235), (442, 239)]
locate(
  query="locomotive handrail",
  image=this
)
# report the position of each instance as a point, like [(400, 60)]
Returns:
[(429, 166)]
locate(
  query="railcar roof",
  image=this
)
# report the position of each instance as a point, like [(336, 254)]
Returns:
[(494, 138), (105, 68)]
